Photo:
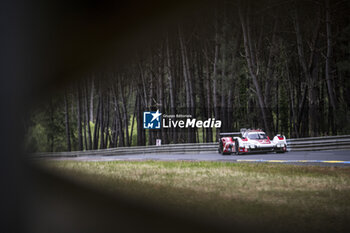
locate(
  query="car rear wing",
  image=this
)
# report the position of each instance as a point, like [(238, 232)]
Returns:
[(230, 134)]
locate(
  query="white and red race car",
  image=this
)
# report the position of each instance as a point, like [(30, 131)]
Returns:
[(249, 141)]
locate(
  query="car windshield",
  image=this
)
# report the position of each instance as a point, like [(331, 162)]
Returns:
[(257, 136)]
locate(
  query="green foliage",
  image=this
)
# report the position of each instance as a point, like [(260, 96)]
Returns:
[(47, 129), (35, 139)]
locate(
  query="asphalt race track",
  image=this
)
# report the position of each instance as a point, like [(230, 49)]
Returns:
[(323, 158)]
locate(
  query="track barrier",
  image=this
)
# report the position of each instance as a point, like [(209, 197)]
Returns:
[(296, 144)]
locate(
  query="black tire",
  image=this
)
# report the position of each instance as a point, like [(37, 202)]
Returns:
[(220, 150), (236, 147), (280, 151)]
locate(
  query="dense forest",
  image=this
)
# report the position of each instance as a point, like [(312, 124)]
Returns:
[(282, 66)]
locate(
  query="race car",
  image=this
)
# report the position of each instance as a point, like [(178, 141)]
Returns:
[(249, 141)]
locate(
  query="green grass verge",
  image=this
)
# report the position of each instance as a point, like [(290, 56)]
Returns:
[(277, 197)]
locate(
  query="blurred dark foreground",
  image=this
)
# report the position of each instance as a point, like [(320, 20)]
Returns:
[(44, 46)]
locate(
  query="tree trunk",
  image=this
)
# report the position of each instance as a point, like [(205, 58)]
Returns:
[(125, 113), (329, 73), (92, 100), (139, 121), (223, 109), (171, 90), (202, 101), (51, 135), (293, 125), (303, 65), (214, 78), (107, 121), (253, 69), (101, 118), (229, 110), (80, 137), (187, 81), (311, 71), (270, 79), (119, 124), (88, 114), (84, 119), (132, 122), (209, 131), (67, 121), (163, 131), (150, 99), (96, 129), (192, 96)]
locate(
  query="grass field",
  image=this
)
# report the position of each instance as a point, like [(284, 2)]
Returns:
[(277, 197)]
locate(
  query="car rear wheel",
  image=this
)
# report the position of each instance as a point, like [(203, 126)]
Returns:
[(237, 147), (220, 150)]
